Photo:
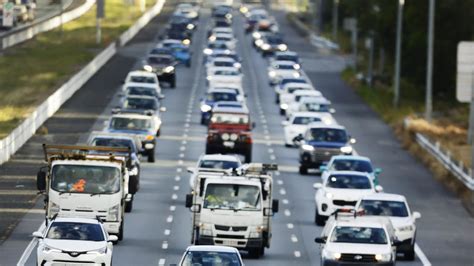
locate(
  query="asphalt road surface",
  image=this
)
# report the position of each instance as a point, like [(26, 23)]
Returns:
[(159, 228)]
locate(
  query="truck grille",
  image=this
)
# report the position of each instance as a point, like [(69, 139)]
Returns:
[(344, 203), (228, 228), (357, 257), (230, 236)]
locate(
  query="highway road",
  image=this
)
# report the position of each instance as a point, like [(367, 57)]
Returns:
[(159, 228)]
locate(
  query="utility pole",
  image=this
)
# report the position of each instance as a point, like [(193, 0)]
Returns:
[(100, 14), (429, 67), (396, 92), (370, 46), (335, 19)]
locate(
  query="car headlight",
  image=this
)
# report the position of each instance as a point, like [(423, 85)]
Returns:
[(148, 68), (186, 42), (256, 35), (206, 108), (328, 195), (190, 27), (405, 228), (266, 46), (54, 209), (272, 74), (329, 255), (168, 69), (134, 170), (283, 106), (237, 65), (383, 257), (258, 43), (282, 47), (307, 147), (346, 149), (207, 51), (296, 66), (98, 251), (225, 136), (149, 146), (47, 248), (113, 213)]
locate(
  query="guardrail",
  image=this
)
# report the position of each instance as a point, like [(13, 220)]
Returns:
[(17, 36), (21, 134), (456, 168)]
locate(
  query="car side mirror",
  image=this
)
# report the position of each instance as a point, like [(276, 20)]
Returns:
[(320, 240), (254, 125), (189, 200), (190, 170), (275, 205), (163, 109), (161, 96), (323, 168), (416, 215), (317, 185), (113, 238), (377, 171), (116, 110), (285, 123), (378, 188), (37, 234), (41, 180)]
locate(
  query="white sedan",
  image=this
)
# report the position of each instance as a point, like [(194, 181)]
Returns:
[(292, 92), (228, 38), (75, 241), (212, 163), (221, 62), (211, 255), (278, 69), (141, 76), (298, 123), (310, 104), (224, 75), (341, 189)]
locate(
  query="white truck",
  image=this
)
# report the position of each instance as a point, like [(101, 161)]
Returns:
[(86, 181), (234, 208)]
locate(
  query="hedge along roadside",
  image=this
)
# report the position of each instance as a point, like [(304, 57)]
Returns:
[(27, 33), (19, 136)]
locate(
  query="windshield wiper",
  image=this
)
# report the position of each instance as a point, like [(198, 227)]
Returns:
[(94, 194)]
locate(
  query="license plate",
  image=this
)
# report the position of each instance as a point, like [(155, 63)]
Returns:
[(229, 144), (228, 242)]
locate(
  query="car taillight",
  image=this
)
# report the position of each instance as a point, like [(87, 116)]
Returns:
[(247, 138)]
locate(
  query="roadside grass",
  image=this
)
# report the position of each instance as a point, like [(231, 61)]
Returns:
[(32, 71)]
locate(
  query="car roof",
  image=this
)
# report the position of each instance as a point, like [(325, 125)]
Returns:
[(336, 173), (221, 90), (350, 157), (236, 110), (221, 157), (286, 53), (312, 99), (283, 62), (145, 97), (76, 220), (384, 196), (360, 221), (220, 58), (140, 84), (225, 68), (307, 92), (160, 56), (141, 73), (296, 84), (212, 248), (310, 114), (171, 41), (322, 125), (131, 116)]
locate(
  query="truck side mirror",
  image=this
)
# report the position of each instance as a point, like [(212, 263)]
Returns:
[(254, 125), (189, 200), (275, 205), (41, 180)]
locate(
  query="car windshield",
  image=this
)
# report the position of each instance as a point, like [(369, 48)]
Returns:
[(284, 66), (384, 208), (223, 63), (114, 142), (160, 60), (141, 91), (222, 96), (90, 179), (295, 80), (225, 118), (316, 107), (232, 197), (126, 123), (359, 235), (351, 165), (218, 164), (293, 89), (348, 182), (140, 103), (274, 40), (327, 135), (304, 120), (161, 51), (142, 79), (75, 231), (226, 73), (217, 45), (211, 258), (287, 58)]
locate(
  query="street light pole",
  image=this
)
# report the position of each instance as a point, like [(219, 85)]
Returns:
[(429, 67), (396, 96), (335, 19)]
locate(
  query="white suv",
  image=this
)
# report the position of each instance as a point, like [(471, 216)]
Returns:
[(74, 240), (341, 189), (396, 208)]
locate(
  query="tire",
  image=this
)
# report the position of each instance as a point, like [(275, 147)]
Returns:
[(203, 121), (410, 255), (318, 219), (254, 253), (158, 133), (173, 82), (151, 156), (277, 99), (303, 170), (282, 112), (129, 206), (120, 234), (248, 157), (188, 63)]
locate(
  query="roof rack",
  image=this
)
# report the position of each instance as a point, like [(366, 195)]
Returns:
[(98, 153)]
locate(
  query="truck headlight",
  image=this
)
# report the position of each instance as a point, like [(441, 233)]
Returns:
[(307, 147), (205, 229), (405, 228), (256, 35), (205, 108), (190, 26), (254, 235), (53, 209), (207, 51), (331, 255), (149, 146), (98, 251), (258, 43), (282, 47), (383, 257), (234, 137), (187, 42), (272, 74), (168, 69), (346, 149), (113, 213)]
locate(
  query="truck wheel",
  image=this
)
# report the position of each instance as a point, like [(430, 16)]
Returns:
[(151, 156), (188, 63), (410, 255), (173, 82), (282, 112), (120, 234), (248, 157), (303, 170), (129, 206), (254, 253), (318, 219)]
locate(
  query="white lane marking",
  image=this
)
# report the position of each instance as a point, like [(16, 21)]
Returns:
[(180, 162), (267, 137), (169, 219), (277, 173), (179, 170), (282, 191), (270, 151), (280, 182), (174, 197), (421, 256), (290, 226), (181, 155), (161, 262), (285, 201), (172, 208), (27, 253), (182, 148), (167, 232), (294, 239), (269, 144), (164, 245), (186, 125), (177, 178), (272, 157), (176, 188), (184, 142), (287, 213), (297, 254)]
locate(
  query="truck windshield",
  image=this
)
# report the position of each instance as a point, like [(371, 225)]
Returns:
[(232, 197), (90, 179), (224, 118), (211, 258), (362, 235)]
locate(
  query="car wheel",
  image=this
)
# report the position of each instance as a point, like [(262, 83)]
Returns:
[(282, 112), (173, 82), (120, 234), (303, 170), (188, 63), (254, 253), (151, 156), (248, 157), (318, 219), (129, 206), (158, 132), (277, 99)]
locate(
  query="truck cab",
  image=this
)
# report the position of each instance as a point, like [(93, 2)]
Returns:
[(234, 208), (82, 181)]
